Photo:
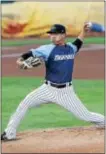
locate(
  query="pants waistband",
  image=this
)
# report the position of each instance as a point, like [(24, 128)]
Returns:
[(58, 85)]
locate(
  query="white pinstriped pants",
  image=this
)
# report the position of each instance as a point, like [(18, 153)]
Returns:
[(64, 97)]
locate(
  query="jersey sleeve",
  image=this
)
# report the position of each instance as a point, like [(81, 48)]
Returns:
[(43, 51), (73, 47)]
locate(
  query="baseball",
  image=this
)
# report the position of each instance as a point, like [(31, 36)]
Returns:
[(89, 24)]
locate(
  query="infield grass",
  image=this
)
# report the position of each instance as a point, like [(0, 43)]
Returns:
[(14, 89), (22, 42)]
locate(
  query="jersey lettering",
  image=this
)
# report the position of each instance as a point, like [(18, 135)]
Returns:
[(64, 57)]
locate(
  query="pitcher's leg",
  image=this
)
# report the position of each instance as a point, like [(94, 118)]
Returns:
[(33, 99), (83, 113), (71, 102)]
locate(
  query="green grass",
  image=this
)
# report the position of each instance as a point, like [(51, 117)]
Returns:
[(48, 115), (21, 42)]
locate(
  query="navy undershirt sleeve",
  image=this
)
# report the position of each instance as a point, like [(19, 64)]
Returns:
[(27, 55), (78, 43)]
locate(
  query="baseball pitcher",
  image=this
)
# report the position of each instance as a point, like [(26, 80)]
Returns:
[(57, 87)]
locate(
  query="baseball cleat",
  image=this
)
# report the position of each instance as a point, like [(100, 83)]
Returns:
[(5, 138)]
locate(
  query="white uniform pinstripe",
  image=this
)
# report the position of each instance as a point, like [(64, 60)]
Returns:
[(64, 97)]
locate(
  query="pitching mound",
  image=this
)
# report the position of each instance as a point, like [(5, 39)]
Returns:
[(66, 140)]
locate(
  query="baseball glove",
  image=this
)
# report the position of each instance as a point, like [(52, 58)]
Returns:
[(29, 62)]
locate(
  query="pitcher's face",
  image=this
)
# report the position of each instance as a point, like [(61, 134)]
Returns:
[(57, 38)]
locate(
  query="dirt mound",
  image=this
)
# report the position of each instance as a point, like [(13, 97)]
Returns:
[(64, 140)]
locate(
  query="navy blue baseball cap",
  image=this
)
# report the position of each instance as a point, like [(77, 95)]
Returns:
[(58, 29)]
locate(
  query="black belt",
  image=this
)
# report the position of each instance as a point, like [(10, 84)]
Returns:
[(58, 85)]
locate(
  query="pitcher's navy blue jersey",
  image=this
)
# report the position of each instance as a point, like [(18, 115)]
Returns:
[(59, 61)]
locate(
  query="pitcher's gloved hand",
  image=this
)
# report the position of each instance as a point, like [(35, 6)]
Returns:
[(29, 62)]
